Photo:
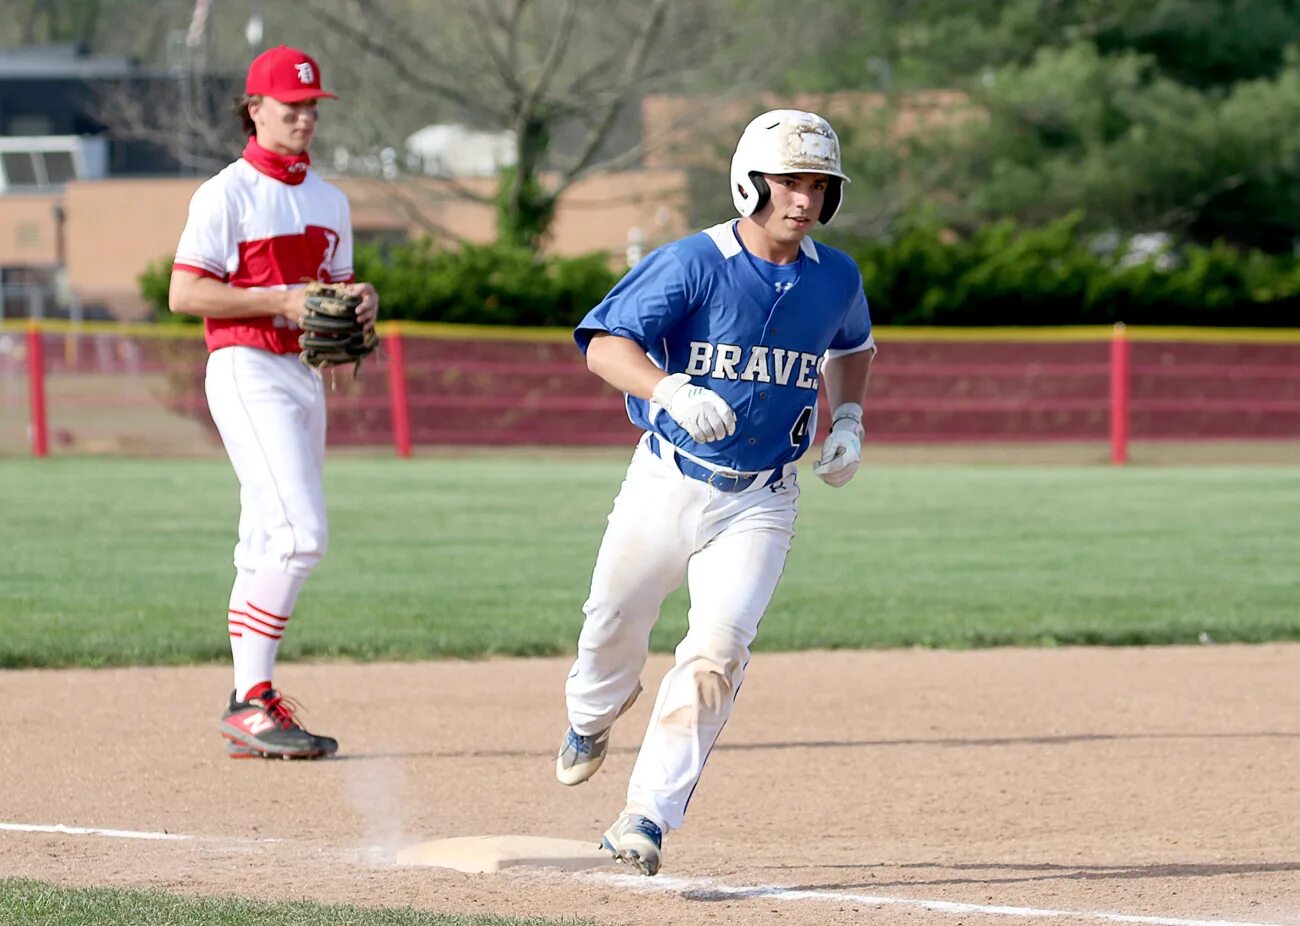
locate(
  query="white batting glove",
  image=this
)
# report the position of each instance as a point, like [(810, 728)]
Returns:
[(702, 412), (842, 451)]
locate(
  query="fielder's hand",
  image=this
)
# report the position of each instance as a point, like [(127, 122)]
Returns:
[(702, 412), (368, 309), (842, 451)]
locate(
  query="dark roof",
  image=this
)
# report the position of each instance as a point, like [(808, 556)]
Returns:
[(54, 62)]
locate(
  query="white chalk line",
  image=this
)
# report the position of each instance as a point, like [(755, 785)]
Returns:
[(61, 829), (673, 884)]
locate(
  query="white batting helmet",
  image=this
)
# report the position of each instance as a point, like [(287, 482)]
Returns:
[(786, 141)]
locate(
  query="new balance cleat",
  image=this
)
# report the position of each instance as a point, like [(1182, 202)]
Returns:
[(265, 727), (637, 841), (236, 751), (581, 756)]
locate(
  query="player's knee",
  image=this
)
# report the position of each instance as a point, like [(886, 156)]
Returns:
[(308, 555), (705, 692), (714, 689), (721, 646), (609, 621), (300, 550)]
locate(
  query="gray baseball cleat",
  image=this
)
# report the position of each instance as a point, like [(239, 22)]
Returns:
[(637, 841), (266, 726), (581, 756)]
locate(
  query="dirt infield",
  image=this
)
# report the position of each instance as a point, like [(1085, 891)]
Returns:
[(848, 788)]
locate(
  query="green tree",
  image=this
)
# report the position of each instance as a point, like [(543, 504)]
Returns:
[(1145, 115), (1131, 148), (563, 77), (1205, 43)]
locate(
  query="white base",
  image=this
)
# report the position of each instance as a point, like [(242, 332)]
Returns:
[(477, 854)]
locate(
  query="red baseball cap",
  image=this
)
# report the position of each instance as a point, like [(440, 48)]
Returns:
[(285, 74)]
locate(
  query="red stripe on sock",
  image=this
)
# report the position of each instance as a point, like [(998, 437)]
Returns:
[(261, 633), (279, 617), (235, 628), (254, 622)]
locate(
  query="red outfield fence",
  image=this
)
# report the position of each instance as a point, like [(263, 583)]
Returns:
[(102, 387)]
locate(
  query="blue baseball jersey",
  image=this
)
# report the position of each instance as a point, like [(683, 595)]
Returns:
[(755, 333)]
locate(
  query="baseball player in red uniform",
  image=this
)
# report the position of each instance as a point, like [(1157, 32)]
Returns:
[(256, 232)]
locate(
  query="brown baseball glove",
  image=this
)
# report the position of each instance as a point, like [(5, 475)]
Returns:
[(331, 334)]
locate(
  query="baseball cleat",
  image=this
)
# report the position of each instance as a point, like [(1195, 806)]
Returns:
[(581, 756), (265, 727), (236, 751), (637, 841)]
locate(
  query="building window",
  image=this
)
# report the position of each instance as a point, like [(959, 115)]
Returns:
[(34, 163), (20, 169), (59, 167)]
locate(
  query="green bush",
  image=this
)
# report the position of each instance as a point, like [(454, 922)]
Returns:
[(474, 284), (495, 284), (1003, 274), (1054, 275), (154, 282)]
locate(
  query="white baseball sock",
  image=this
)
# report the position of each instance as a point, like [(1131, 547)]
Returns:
[(235, 613), (269, 600)]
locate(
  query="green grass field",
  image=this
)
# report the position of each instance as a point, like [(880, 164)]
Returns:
[(37, 904), (123, 562)]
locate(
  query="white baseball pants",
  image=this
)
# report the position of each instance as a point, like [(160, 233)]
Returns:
[(270, 410), (731, 549)]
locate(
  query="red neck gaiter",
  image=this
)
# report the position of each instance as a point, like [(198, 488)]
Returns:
[(287, 168)]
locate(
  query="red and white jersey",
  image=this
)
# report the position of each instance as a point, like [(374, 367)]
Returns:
[(252, 231)]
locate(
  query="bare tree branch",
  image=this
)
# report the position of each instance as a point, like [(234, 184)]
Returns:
[(527, 115), (202, 140), (392, 31), (406, 200), (554, 54), (482, 28), (29, 24), (563, 84), (464, 192), (629, 158), (581, 87), (631, 76), (512, 33), (368, 41)]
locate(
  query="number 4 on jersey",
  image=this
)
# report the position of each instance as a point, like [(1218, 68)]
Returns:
[(800, 430)]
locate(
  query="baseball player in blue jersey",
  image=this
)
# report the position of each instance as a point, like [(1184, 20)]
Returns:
[(720, 341)]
